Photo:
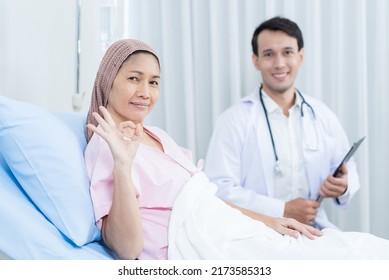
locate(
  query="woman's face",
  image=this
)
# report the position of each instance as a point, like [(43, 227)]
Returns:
[(135, 88)]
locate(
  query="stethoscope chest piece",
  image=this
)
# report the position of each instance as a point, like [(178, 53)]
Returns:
[(277, 168)]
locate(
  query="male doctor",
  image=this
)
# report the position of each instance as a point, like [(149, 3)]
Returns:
[(274, 151)]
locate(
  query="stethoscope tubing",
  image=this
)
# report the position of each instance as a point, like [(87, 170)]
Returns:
[(303, 102)]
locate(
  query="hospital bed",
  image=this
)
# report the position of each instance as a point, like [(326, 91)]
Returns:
[(45, 207)]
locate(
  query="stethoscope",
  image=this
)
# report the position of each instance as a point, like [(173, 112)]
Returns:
[(312, 143)]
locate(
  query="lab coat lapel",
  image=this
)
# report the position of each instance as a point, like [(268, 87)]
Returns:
[(264, 145), (313, 171)]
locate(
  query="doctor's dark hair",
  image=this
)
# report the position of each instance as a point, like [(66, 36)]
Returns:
[(278, 24)]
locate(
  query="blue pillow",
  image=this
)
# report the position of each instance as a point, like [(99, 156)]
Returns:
[(76, 122), (4, 165), (46, 157)]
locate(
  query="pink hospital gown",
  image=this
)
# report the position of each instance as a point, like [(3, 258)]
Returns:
[(158, 178)]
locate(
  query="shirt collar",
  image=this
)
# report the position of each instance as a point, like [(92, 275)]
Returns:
[(271, 106)]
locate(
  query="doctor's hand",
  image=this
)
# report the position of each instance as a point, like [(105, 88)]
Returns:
[(303, 210), (335, 186)]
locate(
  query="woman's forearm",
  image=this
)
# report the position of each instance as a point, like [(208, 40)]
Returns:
[(254, 215), (122, 229), (285, 226)]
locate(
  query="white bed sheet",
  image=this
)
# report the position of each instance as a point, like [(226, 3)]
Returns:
[(203, 227)]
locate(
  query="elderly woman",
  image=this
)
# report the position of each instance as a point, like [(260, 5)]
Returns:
[(138, 173)]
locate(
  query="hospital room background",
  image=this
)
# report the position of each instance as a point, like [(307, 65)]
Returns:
[(50, 51)]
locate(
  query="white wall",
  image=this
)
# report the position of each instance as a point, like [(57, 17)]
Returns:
[(38, 51)]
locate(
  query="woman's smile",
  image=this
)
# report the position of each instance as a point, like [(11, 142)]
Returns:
[(139, 105)]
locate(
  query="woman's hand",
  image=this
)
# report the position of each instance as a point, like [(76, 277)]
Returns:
[(292, 227), (123, 139)]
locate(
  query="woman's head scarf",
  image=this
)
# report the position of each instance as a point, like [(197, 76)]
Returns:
[(113, 59)]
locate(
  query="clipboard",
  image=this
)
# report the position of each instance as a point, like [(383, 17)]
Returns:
[(349, 154)]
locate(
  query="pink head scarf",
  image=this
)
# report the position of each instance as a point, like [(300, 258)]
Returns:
[(114, 57)]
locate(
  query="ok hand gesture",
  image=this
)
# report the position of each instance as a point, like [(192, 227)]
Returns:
[(123, 139)]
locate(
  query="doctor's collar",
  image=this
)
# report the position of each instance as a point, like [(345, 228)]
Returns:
[(271, 106)]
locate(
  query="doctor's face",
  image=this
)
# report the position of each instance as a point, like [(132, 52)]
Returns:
[(278, 60), (135, 89)]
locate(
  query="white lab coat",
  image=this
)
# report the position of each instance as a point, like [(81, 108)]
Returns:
[(240, 158)]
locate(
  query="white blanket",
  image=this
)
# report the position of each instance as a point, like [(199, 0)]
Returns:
[(204, 227)]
